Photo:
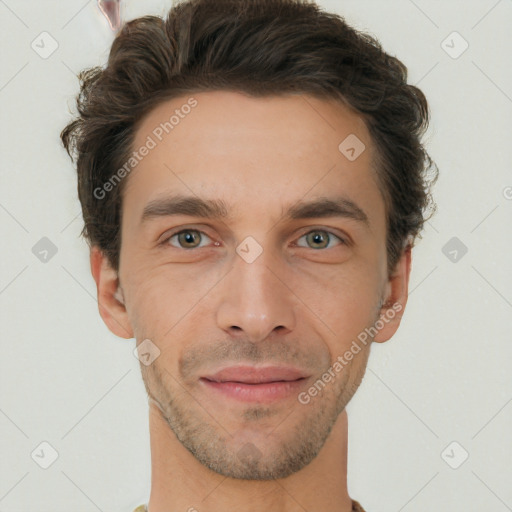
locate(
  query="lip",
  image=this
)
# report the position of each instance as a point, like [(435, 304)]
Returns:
[(256, 375), (256, 384)]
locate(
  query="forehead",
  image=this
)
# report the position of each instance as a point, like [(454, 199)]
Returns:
[(206, 118), (250, 152)]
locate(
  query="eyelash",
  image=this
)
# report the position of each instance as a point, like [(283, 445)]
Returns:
[(166, 241)]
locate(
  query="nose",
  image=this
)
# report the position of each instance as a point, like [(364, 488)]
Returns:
[(255, 301)]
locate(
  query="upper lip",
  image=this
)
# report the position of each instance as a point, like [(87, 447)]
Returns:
[(256, 375)]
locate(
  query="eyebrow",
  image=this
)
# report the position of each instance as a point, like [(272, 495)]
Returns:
[(217, 209)]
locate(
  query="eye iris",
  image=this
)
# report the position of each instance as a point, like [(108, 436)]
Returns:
[(187, 237), (316, 237)]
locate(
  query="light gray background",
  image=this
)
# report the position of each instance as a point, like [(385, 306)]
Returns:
[(444, 377)]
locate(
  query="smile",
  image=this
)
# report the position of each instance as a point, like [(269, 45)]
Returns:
[(253, 384)]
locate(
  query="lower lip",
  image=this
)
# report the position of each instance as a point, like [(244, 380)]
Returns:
[(262, 393)]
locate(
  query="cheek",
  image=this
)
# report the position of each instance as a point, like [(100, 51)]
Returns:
[(151, 310), (344, 298), (163, 301)]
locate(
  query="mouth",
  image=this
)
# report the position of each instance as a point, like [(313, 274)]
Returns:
[(253, 384)]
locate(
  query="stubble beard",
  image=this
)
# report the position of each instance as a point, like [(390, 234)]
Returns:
[(279, 455)]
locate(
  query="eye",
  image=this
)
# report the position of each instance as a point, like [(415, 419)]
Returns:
[(187, 238), (190, 239), (320, 238)]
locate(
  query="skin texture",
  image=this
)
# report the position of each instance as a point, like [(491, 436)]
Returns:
[(301, 302)]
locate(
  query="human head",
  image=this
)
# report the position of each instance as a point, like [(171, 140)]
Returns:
[(248, 71)]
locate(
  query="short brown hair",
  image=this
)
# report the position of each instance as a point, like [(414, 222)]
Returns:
[(262, 48)]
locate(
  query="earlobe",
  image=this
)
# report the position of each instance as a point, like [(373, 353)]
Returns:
[(397, 291), (110, 295)]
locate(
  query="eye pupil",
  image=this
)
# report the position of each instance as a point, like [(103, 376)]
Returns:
[(317, 237), (188, 236)]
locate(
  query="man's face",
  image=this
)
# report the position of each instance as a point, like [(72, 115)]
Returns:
[(256, 288)]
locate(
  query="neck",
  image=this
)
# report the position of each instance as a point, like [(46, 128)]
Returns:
[(179, 482)]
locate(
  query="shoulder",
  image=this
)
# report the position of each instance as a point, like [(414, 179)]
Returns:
[(356, 507)]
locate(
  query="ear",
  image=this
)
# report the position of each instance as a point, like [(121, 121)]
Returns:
[(110, 295), (397, 292)]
